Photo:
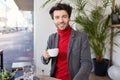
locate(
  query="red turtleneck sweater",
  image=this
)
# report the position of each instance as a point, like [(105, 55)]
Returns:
[(62, 63)]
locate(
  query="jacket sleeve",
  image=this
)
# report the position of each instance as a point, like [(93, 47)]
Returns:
[(86, 63), (49, 43)]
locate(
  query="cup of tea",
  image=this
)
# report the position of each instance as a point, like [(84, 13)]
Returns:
[(53, 52)]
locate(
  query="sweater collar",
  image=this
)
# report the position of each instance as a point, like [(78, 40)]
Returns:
[(64, 32)]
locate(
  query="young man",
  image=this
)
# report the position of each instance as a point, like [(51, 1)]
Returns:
[(74, 58)]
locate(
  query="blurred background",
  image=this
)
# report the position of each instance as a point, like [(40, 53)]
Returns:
[(16, 32)]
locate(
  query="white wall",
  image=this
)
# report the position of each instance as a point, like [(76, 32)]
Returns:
[(43, 26)]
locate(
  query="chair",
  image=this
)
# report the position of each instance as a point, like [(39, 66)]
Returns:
[(1, 59)]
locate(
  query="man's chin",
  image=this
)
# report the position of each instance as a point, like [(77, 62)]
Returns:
[(62, 28)]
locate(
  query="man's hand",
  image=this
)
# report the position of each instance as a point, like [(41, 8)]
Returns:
[(46, 55)]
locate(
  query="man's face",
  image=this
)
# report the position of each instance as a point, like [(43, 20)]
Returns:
[(61, 19)]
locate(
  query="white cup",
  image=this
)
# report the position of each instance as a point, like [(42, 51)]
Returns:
[(53, 52)]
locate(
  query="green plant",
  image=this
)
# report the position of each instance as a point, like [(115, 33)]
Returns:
[(6, 75), (96, 25)]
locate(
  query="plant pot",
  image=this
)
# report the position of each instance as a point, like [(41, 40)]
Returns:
[(100, 68), (115, 18), (12, 78)]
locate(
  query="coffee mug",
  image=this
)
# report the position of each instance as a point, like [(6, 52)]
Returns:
[(53, 52)]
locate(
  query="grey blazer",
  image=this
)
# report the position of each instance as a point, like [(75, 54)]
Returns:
[(79, 56)]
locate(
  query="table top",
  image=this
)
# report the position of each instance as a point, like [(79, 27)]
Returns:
[(40, 77), (21, 75), (43, 77)]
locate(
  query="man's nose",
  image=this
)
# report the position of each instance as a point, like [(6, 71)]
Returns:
[(61, 19)]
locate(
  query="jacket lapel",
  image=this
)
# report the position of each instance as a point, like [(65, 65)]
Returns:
[(72, 38), (56, 40)]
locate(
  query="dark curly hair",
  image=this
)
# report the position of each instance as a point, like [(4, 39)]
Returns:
[(61, 6)]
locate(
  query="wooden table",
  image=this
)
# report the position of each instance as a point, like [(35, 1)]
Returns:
[(40, 77)]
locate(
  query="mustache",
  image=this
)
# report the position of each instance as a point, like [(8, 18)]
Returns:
[(62, 23)]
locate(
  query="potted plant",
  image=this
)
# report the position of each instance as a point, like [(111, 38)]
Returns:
[(96, 23), (6, 75), (97, 26)]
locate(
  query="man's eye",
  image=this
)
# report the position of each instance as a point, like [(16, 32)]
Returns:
[(65, 16), (57, 17)]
